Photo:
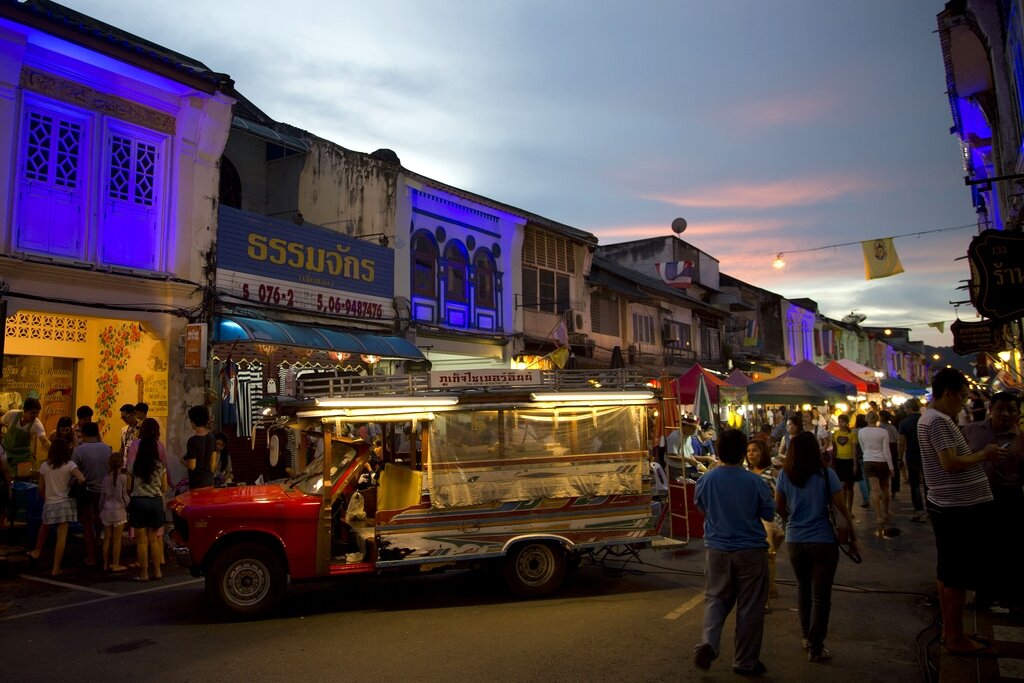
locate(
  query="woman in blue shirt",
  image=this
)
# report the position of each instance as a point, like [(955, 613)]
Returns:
[(801, 497)]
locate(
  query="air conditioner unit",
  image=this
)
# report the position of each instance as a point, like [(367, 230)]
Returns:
[(574, 320)]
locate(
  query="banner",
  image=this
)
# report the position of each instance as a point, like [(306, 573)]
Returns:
[(676, 273), (880, 259)]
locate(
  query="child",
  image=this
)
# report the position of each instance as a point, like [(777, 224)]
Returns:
[(113, 512), (59, 509)]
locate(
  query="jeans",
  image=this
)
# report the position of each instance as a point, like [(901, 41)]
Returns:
[(739, 578), (915, 476), (815, 567)]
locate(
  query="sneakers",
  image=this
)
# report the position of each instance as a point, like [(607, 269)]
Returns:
[(822, 656), (918, 517), (703, 655)]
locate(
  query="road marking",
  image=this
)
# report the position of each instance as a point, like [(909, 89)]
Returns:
[(685, 607), (62, 584), (106, 596)]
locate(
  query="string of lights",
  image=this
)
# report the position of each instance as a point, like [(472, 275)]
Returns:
[(780, 262)]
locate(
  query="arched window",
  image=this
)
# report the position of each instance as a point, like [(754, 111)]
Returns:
[(230, 184), (483, 279), (457, 287), (424, 265)]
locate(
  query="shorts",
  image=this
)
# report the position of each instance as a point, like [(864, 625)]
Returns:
[(146, 512), (844, 469), (878, 470), (962, 543)]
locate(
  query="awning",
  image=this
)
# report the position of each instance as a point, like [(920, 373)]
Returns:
[(227, 329), (904, 386)]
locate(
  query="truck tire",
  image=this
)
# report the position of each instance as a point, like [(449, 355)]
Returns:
[(246, 580), (535, 569)]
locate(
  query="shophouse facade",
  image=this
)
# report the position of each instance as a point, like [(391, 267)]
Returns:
[(108, 156)]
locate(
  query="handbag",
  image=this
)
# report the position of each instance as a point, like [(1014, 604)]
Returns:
[(840, 527)]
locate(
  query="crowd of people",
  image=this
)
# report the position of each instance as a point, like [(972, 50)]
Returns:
[(962, 459), (85, 481)]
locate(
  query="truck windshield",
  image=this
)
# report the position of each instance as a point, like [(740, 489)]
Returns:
[(310, 480)]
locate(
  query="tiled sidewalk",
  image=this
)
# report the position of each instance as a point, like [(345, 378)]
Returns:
[(1008, 637)]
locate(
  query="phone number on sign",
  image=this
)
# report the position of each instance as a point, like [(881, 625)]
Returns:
[(283, 296)]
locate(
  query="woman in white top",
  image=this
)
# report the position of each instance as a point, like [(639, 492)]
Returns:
[(874, 442)]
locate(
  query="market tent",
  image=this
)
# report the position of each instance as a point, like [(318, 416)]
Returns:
[(686, 385), (791, 389), (738, 379), (862, 371), (863, 385), (904, 386), (807, 370)]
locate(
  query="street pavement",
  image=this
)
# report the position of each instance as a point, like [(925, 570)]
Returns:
[(630, 619)]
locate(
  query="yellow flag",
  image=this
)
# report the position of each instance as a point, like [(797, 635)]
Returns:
[(560, 356), (880, 259), (940, 326)]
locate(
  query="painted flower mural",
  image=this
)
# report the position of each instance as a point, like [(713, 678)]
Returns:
[(116, 342)]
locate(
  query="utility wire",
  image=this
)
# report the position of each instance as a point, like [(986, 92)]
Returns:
[(848, 244)]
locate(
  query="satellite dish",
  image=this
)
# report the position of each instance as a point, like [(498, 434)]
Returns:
[(678, 226)]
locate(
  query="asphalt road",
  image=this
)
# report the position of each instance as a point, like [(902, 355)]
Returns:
[(608, 623)]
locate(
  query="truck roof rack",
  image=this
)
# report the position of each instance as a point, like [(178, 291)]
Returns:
[(336, 384)]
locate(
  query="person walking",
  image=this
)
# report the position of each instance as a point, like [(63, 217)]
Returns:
[(910, 452), (802, 496), (59, 508), (114, 512), (760, 463), (959, 505), (735, 503), (92, 458), (146, 508), (844, 457), (860, 421), (874, 443)]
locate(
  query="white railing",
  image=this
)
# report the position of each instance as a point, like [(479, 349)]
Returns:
[(330, 385)]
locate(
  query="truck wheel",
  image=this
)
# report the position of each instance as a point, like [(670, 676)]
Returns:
[(535, 569), (246, 579)]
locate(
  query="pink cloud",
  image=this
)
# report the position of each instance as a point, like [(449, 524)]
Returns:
[(702, 234), (776, 194)]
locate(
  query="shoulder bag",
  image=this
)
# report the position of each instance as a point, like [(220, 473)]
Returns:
[(840, 527)]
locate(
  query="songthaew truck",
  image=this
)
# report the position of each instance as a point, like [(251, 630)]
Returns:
[(526, 471)]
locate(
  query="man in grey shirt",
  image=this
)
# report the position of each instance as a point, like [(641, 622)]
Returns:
[(92, 457)]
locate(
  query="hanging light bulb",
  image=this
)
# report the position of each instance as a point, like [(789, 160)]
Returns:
[(779, 262)]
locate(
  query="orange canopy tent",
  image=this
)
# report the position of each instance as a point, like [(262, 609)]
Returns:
[(836, 369), (686, 386)]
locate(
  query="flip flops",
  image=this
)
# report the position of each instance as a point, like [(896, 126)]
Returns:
[(985, 649)]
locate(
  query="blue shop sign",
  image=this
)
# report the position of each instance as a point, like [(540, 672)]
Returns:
[(308, 256)]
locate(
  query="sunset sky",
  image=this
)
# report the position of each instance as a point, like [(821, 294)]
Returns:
[(771, 127)]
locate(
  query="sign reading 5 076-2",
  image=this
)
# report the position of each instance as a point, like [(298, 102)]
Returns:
[(304, 297), (266, 261)]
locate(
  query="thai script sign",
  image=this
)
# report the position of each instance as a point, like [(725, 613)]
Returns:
[(977, 337), (997, 274), (306, 267), (195, 346), (484, 378)]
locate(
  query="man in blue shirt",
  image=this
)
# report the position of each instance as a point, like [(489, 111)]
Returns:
[(734, 501)]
